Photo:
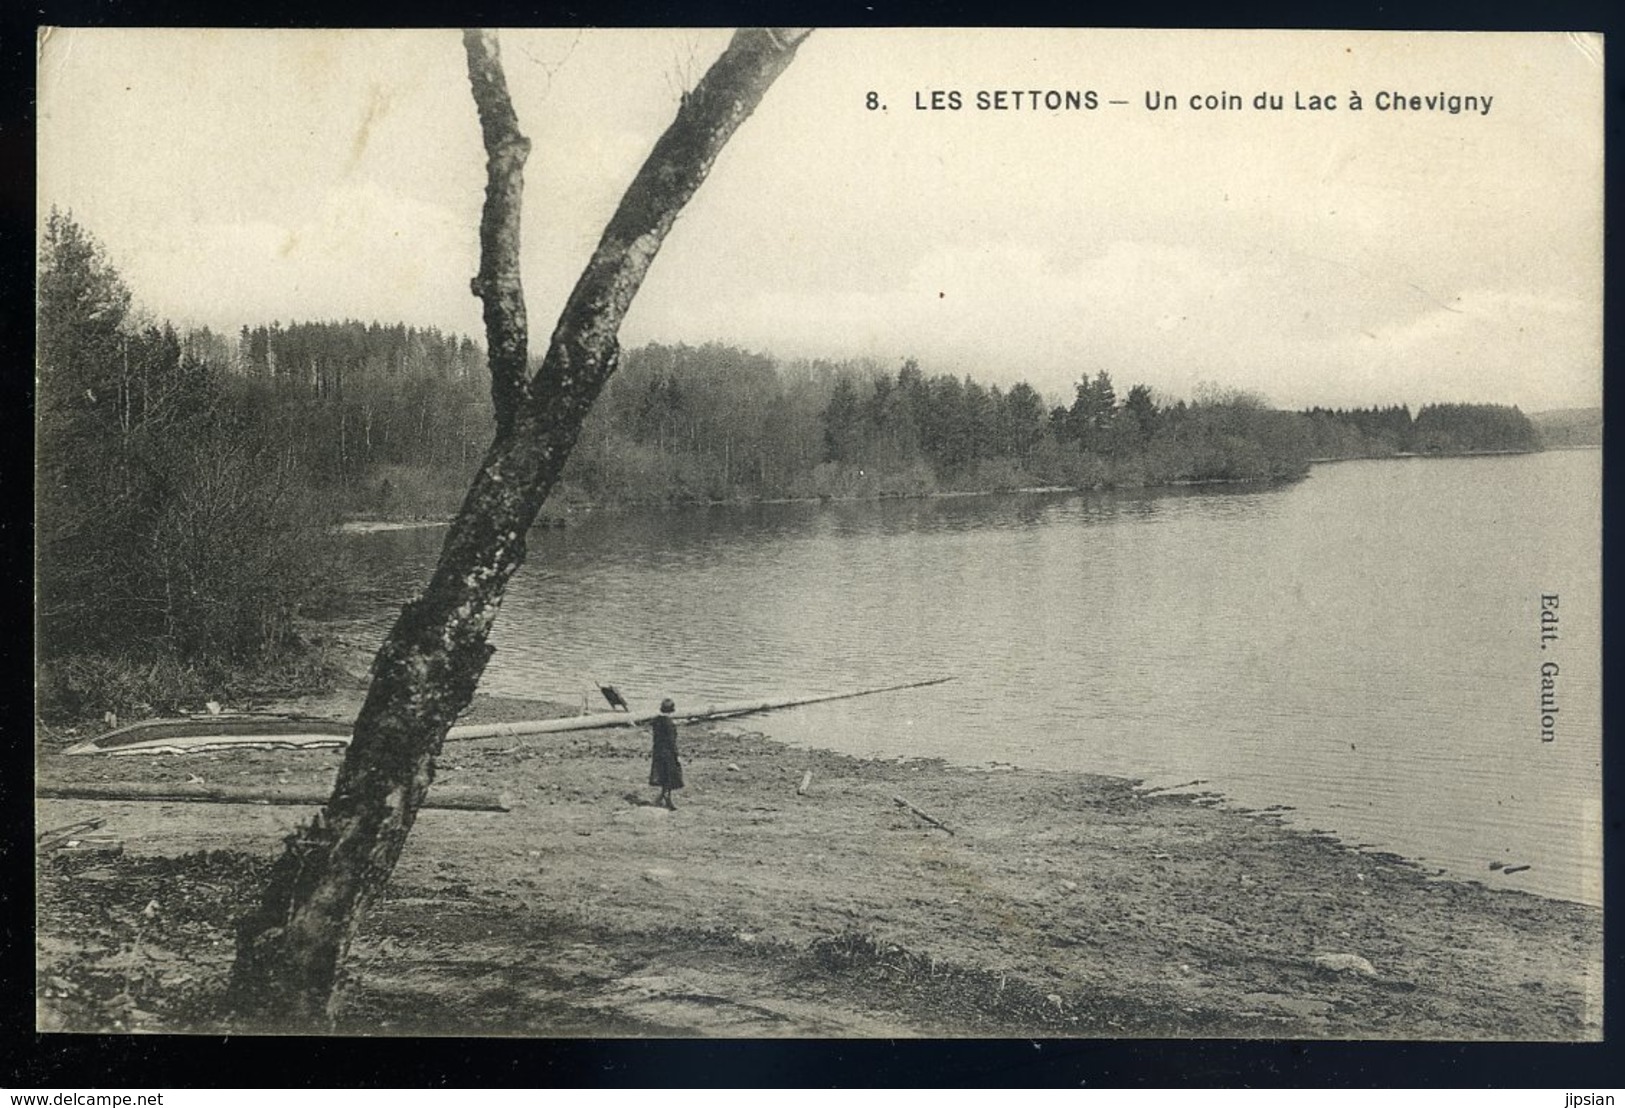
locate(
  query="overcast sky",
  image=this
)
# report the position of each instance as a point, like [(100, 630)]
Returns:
[(1330, 257)]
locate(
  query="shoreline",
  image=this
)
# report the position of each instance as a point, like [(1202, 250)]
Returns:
[(1061, 904), (1442, 454), (558, 517)]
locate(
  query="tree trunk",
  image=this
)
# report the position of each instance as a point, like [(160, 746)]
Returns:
[(290, 949)]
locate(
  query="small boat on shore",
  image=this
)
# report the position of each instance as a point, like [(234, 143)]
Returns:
[(211, 732)]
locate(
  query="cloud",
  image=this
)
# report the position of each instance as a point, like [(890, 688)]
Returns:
[(1539, 351), (366, 252), (1361, 259), (1295, 327)]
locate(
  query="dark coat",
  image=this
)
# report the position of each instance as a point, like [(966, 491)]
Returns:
[(664, 770)]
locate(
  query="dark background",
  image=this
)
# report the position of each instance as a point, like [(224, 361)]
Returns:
[(62, 1062)]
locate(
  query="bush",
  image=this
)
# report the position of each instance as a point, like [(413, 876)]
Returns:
[(1058, 463), (401, 492), (1130, 473), (994, 475), (914, 479), (83, 687)]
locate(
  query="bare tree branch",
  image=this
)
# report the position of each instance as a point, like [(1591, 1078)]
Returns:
[(498, 284)]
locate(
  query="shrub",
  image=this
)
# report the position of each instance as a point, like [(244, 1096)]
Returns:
[(84, 686), (402, 492)]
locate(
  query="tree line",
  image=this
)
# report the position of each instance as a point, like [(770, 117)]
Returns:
[(186, 480), (1435, 429), (379, 395), (683, 423), (179, 534)]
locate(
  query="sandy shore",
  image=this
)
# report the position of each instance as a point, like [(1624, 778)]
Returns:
[(1061, 904)]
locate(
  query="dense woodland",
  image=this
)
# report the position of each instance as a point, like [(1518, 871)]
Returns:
[(187, 481), (179, 532), (1436, 429), (714, 422)]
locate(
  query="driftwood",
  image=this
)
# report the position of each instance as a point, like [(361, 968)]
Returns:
[(1170, 788), (932, 820), (462, 800), (50, 840)]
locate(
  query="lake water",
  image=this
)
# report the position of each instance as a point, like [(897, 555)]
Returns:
[(1363, 646)]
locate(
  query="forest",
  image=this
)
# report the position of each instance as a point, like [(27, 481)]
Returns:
[(1435, 429), (188, 482), (681, 423)]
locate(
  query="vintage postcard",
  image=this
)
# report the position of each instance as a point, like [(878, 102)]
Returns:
[(879, 533)]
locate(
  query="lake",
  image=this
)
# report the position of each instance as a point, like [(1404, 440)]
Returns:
[(1363, 646)]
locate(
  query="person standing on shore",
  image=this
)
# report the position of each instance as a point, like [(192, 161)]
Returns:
[(665, 772)]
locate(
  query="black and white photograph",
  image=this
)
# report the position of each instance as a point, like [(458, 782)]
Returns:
[(886, 533)]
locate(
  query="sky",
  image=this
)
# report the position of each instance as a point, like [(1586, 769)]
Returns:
[(1333, 257)]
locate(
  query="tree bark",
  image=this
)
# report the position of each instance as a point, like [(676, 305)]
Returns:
[(290, 949), (498, 285)]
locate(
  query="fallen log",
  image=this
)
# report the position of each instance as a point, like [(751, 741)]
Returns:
[(932, 820), (463, 800)]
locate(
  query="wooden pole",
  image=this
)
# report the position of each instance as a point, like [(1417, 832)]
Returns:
[(619, 719)]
